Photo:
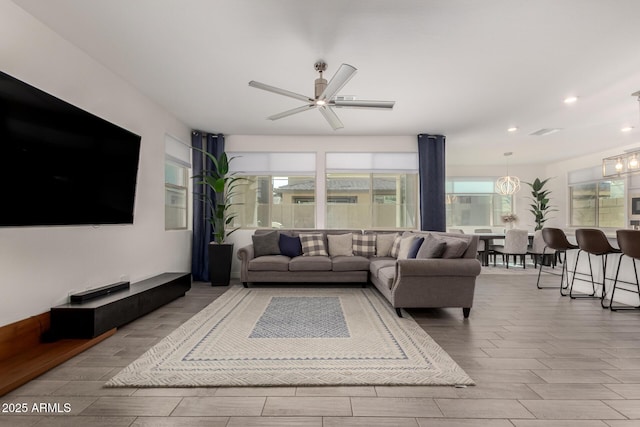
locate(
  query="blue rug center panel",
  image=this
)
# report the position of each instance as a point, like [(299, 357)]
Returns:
[(302, 317)]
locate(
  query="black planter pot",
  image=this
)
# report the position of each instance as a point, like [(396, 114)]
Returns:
[(220, 257)]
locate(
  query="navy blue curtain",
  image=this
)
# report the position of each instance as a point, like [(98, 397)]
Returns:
[(202, 232), (432, 175)]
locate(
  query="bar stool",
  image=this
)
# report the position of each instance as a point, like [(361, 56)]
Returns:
[(555, 239), (629, 242), (593, 242)]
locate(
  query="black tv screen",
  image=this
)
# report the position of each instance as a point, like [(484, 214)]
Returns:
[(60, 165)]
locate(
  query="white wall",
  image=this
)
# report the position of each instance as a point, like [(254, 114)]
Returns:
[(40, 266)]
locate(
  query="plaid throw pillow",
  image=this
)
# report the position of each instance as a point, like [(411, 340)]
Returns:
[(364, 245), (313, 244), (395, 248)]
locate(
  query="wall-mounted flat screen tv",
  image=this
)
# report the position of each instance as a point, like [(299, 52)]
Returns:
[(60, 165)]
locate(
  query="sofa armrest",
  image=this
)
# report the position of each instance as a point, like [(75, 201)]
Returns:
[(245, 254), (437, 267), (435, 283)]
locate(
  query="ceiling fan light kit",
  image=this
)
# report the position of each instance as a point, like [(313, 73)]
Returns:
[(325, 96)]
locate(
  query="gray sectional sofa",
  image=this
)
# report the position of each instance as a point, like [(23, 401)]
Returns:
[(411, 268)]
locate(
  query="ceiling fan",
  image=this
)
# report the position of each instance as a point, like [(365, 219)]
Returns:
[(325, 96)]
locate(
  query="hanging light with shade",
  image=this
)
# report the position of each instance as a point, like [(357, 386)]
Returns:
[(508, 184)]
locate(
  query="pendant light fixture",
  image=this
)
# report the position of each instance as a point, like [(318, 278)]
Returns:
[(508, 184)]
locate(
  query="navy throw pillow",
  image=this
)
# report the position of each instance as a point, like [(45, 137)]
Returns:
[(415, 247), (290, 246)]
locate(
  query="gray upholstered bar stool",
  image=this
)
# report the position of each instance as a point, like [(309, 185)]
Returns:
[(629, 242), (593, 242), (555, 239)]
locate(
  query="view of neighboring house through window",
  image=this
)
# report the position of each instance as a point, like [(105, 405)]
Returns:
[(176, 187), (474, 202), (372, 190), (371, 200), (275, 202), (277, 190)]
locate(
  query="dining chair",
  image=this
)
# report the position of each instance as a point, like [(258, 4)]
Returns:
[(516, 242), (555, 240), (539, 251), (629, 242), (594, 242), (482, 244)]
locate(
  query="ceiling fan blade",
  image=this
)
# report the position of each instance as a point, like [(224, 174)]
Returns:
[(339, 79), (364, 104), (279, 91), (291, 112), (331, 117)]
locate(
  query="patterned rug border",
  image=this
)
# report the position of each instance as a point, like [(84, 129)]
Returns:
[(174, 361)]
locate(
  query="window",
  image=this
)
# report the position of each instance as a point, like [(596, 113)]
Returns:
[(278, 190), (275, 201), (176, 184), (597, 204), (473, 202), (373, 200), (372, 190)]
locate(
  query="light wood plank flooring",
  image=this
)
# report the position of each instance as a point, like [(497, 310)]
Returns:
[(538, 359)]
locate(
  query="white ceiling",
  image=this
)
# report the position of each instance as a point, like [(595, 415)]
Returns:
[(468, 69)]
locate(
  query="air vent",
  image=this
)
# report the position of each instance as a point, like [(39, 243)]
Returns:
[(545, 131)]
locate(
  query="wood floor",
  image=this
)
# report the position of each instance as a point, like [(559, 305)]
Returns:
[(538, 360)]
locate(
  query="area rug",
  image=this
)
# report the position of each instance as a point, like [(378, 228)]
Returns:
[(295, 337)]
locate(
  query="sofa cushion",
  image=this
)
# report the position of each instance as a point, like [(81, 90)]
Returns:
[(395, 247), (310, 263), (265, 244), (384, 241), (415, 247), (386, 275), (313, 244), (432, 247), (364, 244), (290, 246), (350, 263), (340, 244), (405, 246), (375, 264), (455, 247), (269, 263)]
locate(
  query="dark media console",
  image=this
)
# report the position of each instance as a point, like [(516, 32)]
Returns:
[(90, 318)]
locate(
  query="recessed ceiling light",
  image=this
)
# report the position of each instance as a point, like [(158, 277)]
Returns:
[(570, 99), (627, 129), (512, 129)]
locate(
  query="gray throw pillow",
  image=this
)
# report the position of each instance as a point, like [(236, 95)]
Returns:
[(455, 248), (340, 244), (384, 241), (266, 244), (432, 247), (405, 247)]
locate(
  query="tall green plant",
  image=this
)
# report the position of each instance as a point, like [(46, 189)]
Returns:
[(540, 207), (223, 185)]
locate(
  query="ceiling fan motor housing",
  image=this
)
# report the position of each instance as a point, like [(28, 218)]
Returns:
[(321, 84)]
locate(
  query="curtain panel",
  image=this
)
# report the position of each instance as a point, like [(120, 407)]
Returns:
[(202, 231), (432, 176)]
